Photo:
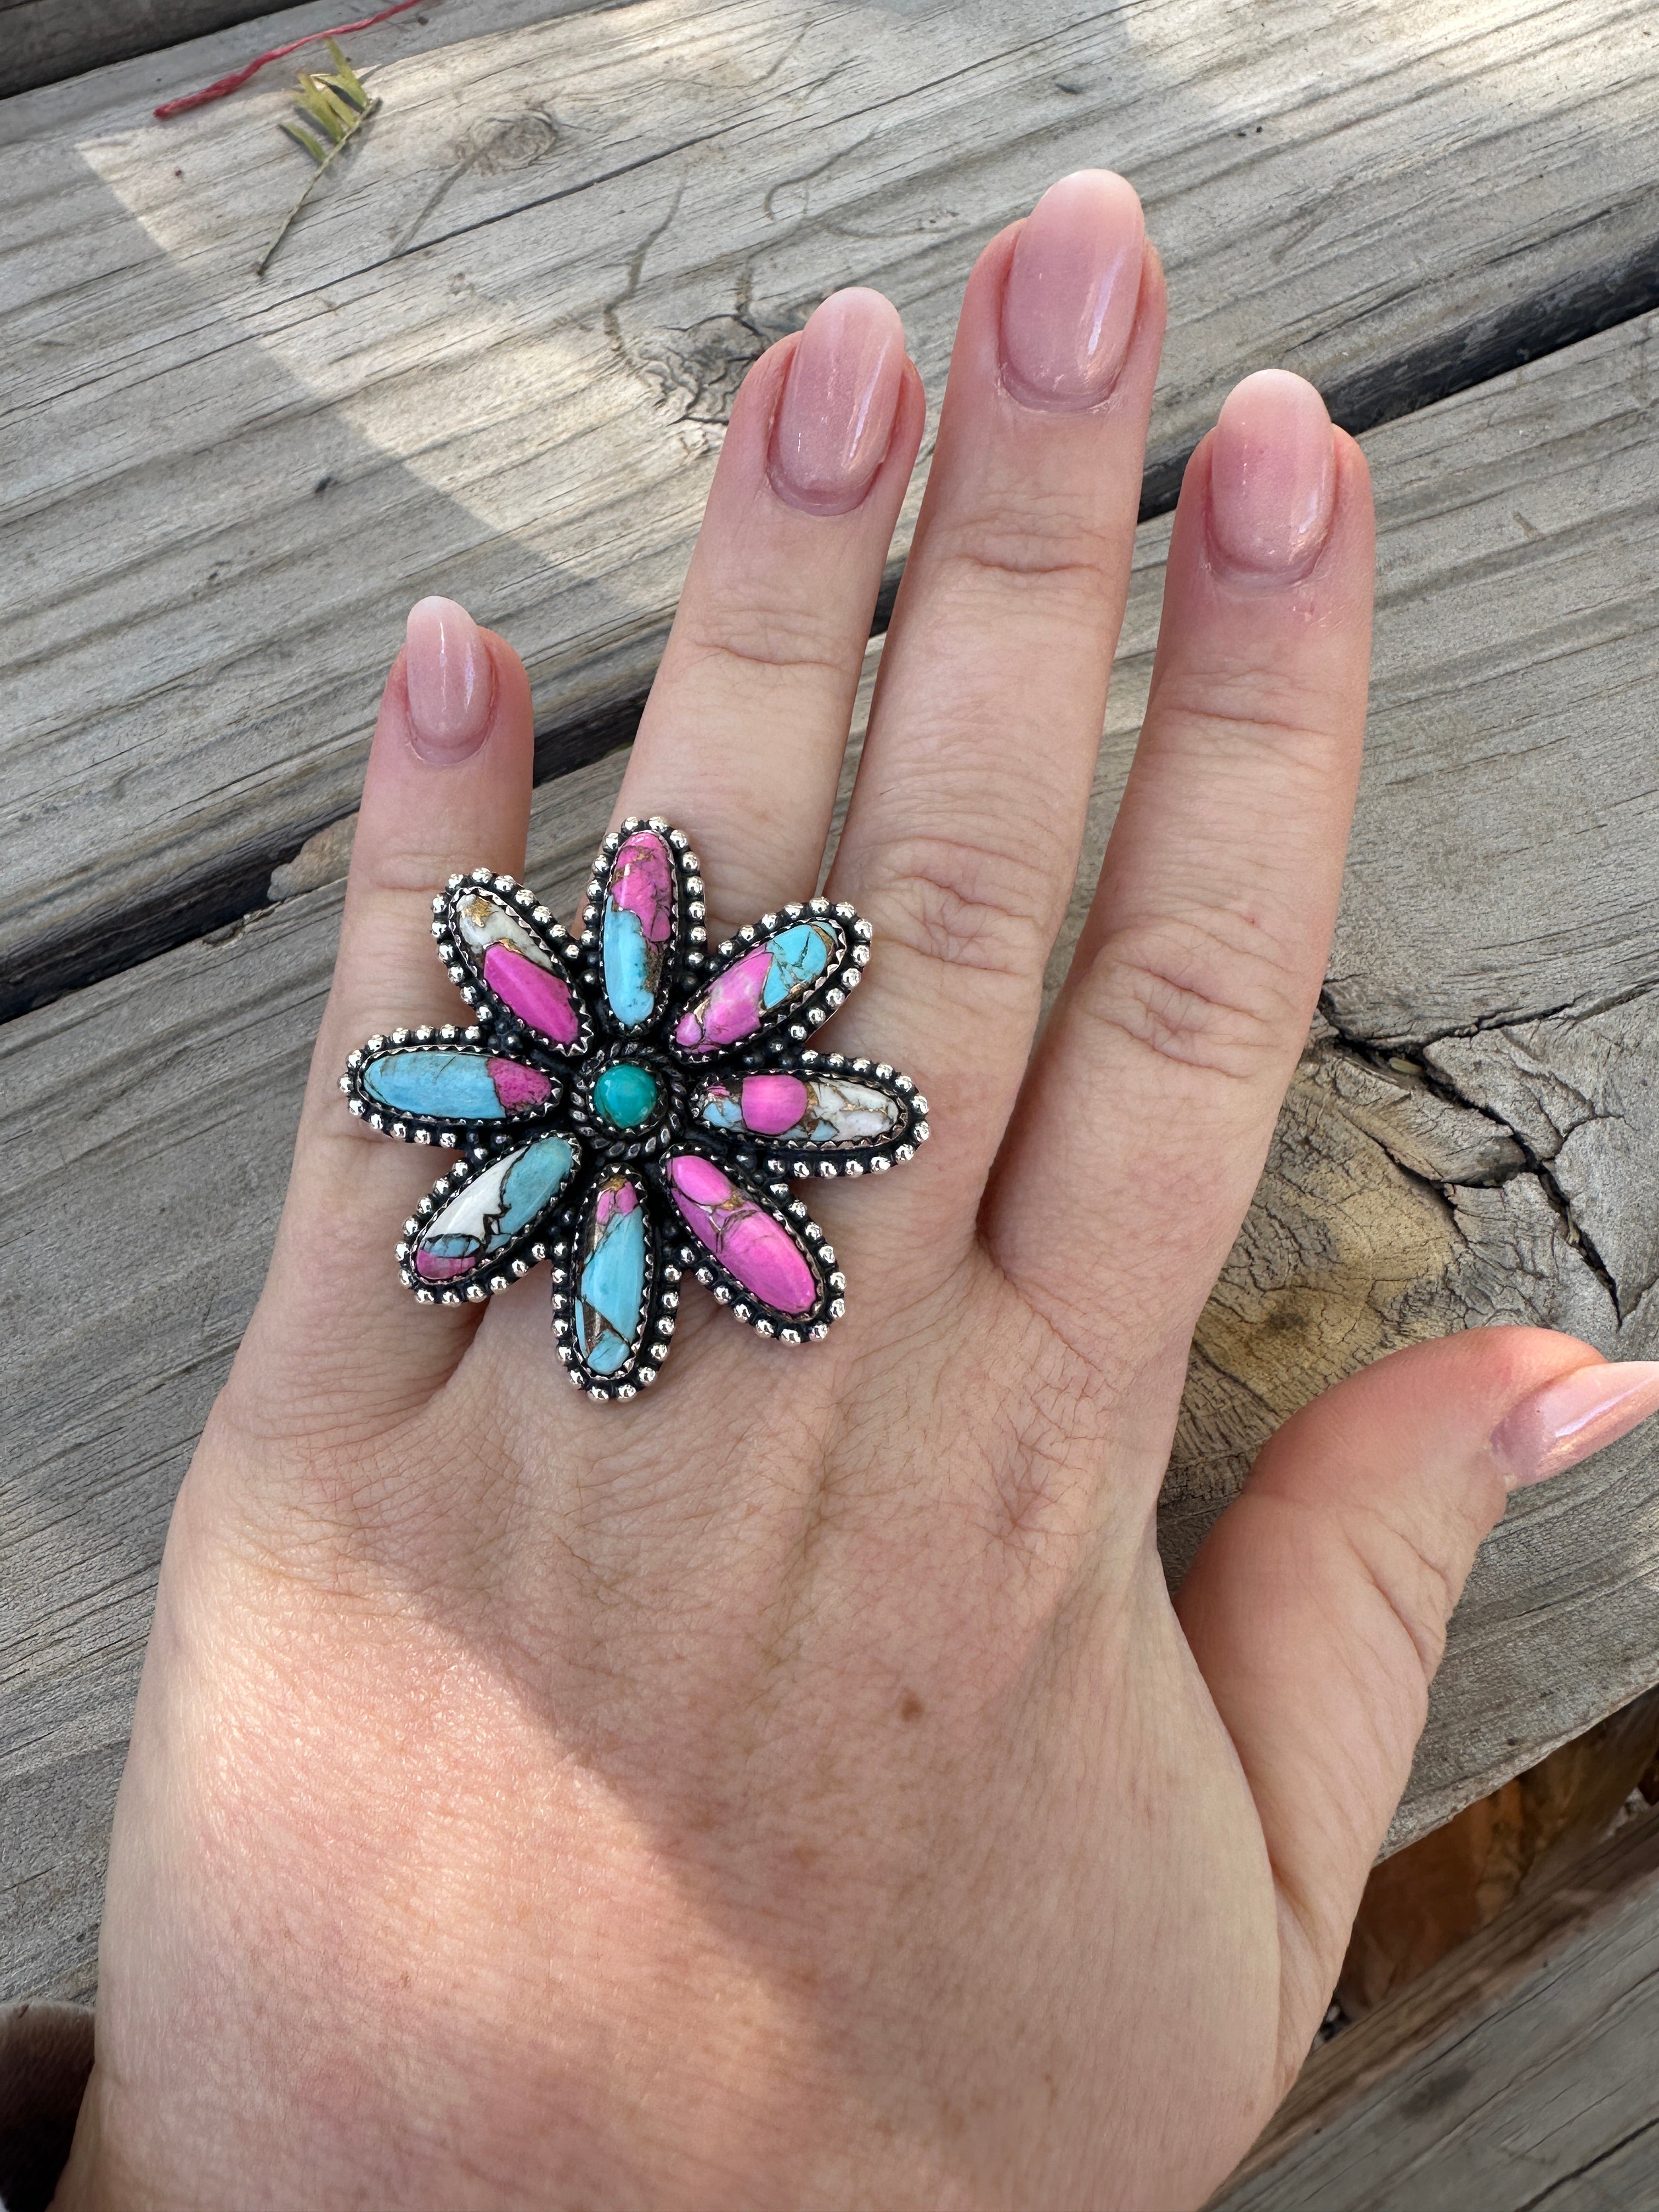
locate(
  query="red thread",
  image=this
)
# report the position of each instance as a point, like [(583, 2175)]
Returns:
[(234, 82)]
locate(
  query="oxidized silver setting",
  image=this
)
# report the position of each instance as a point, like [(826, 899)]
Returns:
[(632, 1108)]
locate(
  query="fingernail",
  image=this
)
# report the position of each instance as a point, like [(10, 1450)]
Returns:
[(834, 420), (1273, 474), (1574, 1416), (447, 674), (1072, 284)]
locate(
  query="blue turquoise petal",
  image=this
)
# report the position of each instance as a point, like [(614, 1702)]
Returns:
[(529, 1183), (451, 1086), (799, 956), (625, 952), (611, 1290)]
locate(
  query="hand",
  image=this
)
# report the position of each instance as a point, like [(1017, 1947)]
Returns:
[(796, 1787)]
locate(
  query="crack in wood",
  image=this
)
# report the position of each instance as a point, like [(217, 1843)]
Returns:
[(1581, 2173), (512, 141), (1532, 1161)]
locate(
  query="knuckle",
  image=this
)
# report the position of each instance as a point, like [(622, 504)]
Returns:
[(782, 641), (966, 903), (1263, 712), (1417, 1588), (1040, 542), (1212, 992)]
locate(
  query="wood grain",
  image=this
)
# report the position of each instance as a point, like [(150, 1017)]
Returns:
[(496, 356), (1516, 2073), (1413, 1187), (1423, 1901)]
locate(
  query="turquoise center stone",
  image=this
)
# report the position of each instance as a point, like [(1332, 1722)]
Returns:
[(625, 1095)]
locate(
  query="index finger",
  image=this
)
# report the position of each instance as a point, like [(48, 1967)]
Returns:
[(448, 788)]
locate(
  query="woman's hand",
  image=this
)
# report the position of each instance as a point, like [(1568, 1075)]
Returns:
[(796, 1788)]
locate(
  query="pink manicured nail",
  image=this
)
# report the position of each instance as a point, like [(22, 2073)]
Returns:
[(1273, 474), (1574, 1416), (834, 420), (1072, 290), (448, 673)]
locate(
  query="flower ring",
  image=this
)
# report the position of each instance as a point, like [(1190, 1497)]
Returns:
[(631, 1106)]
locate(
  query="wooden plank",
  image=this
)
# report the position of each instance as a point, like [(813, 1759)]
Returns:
[(42, 40), (1410, 1191), (497, 355), (1517, 2073)]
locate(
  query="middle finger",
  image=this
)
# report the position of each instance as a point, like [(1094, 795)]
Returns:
[(968, 811)]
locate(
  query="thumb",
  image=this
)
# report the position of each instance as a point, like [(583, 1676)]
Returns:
[(1317, 1608)]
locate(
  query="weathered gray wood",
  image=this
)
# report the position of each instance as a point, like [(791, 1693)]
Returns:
[(1517, 2073), (497, 354), (42, 40), (1409, 1192)]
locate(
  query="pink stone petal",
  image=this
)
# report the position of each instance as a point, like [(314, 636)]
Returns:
[(622, 1197), (541, 999), (643, 883), (438, 1267), (742, 1235), (732, 1008), (773, 1103), (518, 1085)]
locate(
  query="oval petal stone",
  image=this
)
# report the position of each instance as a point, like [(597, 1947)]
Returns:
[(638, 925), (780, 970), (536, 995), (453, 1086), (517, 966), (820, 1109), (746, 1240), (610, 1299), (492, 1211)]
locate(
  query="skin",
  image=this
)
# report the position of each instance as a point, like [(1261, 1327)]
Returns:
[(798, 1787)]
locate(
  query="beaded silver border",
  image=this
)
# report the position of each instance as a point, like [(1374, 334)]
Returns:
[(519, 1255), (687, 939), (659, 1309), (465, 970), (436, 1128)]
